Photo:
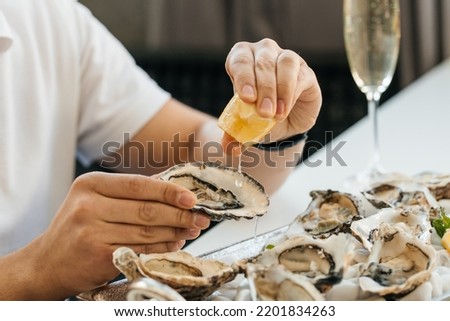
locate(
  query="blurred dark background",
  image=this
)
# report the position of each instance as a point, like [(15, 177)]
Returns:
[(183, 44)]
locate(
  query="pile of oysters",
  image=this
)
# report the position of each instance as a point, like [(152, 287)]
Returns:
[(375, 245)]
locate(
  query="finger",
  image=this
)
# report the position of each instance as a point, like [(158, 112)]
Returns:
[(265, 72), (154, 248), (151, 214), (308, 88), (180, 244), (309, 98), (288, 68), (137, 187), (239, 66), (144, 234)]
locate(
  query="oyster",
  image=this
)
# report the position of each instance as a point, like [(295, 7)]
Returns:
[(144, 289), (398, 263), (411, 220), (438, 184), (402, 194), (276, 283), (190, 276), (222, 192), (322, 261), (330, 212)]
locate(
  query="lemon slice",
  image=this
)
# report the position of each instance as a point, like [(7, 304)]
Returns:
[(241, 121), (446, 240)]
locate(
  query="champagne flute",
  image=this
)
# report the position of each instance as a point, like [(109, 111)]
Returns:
[(372, 42)]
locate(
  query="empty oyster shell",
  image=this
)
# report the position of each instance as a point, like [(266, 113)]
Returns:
[(222, 192), (190, 276), (329, 212), (398, 263), (276, 283)]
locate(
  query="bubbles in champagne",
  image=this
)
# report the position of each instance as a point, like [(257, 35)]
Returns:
[(372, 41)]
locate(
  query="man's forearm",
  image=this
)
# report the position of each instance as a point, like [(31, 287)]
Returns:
[(16, 278)]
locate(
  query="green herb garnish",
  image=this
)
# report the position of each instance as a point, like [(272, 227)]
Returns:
[(442, 223), (269, 246)]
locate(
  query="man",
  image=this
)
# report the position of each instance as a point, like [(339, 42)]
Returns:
[(68, 87)]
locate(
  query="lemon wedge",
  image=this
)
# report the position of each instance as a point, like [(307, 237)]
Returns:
[(446, 240), (241, 121)]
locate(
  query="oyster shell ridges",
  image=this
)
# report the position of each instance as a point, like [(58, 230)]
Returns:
[(329, 212), (222, 192), (192, 277)]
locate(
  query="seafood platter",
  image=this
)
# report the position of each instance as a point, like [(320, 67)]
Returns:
[(380, 244)]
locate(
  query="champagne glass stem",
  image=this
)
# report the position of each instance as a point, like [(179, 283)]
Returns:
[(373, 101)]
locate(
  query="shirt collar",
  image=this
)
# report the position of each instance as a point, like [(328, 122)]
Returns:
[(6, 38)]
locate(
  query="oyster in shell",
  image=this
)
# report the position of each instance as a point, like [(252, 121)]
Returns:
[(411, 220), (329, 212), (323, 262), (222, 192), (398, 263), (276, 283), (190, 276), (144, 289), (402, 194), (438, 184)]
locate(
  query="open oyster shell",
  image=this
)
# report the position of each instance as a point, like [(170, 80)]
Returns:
[(329, 212), (222, 192), (438, 184), (411, 220), (276, 283), (398, 263), (144, 289), (404, 194), (323, 262), (192, 277)]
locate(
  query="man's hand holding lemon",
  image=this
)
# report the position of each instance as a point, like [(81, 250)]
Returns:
[(278, 84)]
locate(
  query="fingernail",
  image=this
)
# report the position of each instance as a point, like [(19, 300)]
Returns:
[(201, 221), (266, 108), (248, 91), (181, 243), (187, 199), (281, 107)]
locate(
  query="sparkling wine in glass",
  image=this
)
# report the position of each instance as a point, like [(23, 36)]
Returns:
[(372, 42)]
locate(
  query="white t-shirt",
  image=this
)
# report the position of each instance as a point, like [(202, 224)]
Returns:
[(67, 86)]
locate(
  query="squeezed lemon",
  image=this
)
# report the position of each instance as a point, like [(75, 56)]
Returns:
[(446, 240), (241, 121)]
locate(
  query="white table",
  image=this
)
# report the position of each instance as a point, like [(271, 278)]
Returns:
[(414, 128)]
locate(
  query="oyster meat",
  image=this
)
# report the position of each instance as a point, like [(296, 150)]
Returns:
[(411, 220), (330, 212), (438, 184), (222, 192), (276, 283), (190, 276), (398, 263), (402, 194), (144, 289), (323, 262)]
